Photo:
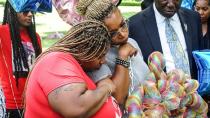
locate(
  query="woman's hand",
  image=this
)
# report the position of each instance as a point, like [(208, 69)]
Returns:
[(127, 50)]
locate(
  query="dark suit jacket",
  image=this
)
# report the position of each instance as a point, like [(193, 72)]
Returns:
[(143, 28)]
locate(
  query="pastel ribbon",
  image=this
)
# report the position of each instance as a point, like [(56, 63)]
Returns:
[(165, 95)]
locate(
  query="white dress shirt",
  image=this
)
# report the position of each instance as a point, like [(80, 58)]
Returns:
[(176, 24)]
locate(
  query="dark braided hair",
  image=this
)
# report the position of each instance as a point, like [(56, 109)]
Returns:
[(85, 41), (19, 55)]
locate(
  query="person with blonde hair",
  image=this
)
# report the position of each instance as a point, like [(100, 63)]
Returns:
[(58, 84), (124, 64)]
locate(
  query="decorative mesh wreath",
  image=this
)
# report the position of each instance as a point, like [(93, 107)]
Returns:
[(166, 95)]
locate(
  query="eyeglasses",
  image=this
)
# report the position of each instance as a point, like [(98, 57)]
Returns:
[(26, 12), (123, 28)]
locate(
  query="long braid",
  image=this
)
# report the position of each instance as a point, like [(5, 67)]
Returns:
[(19, 55), (32, 33), (95, 9)]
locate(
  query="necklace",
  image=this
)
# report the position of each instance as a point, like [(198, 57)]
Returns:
[(11, 86)]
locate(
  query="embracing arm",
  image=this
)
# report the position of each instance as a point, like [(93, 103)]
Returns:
[(75, 101), (121, 77), (122, 81)]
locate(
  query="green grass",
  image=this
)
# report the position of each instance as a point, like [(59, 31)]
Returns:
[(2, 2), (46, 43), (128, 14), (130, 3)]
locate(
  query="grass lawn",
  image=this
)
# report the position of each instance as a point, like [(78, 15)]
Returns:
[(128, 14), (130, 3), (46, 43), (2, 2)]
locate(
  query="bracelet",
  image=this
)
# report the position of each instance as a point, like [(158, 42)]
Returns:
[(122, 62)]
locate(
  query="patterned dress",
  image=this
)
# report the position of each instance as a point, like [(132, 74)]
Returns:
[(2, 104)]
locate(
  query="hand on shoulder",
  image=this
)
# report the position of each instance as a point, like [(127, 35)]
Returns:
[(127, 50)]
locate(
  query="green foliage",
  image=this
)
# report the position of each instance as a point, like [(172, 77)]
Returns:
[(130, 3), (2, 2)]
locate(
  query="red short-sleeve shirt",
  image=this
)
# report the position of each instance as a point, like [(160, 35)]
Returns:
[(13, 93), (55, 70)]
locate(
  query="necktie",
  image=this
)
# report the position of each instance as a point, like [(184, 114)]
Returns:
[(176, 49)]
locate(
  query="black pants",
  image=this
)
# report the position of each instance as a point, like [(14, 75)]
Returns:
[(14, 113)]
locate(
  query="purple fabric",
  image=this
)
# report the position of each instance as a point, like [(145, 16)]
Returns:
[(66, 10)]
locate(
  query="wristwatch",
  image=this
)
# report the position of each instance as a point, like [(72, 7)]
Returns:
[(122, 62)]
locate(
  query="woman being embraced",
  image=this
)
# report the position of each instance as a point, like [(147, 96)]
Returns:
[(132, 70), (58, 84)]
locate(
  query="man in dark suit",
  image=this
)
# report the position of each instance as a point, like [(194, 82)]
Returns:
[(148, 29)]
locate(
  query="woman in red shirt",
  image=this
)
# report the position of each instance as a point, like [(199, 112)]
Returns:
[(58, 86)]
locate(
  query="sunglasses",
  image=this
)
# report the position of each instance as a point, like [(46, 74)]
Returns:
[(123, 28), (26, 12)]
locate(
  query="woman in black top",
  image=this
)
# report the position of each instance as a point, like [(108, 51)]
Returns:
[(203, 8)]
